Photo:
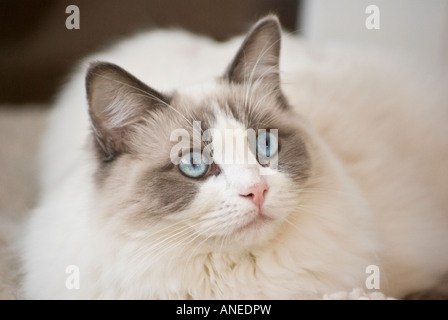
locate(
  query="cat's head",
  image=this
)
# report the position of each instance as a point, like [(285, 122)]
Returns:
[(212, 166)]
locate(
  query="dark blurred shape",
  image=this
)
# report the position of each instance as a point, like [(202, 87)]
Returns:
[(37, 51)]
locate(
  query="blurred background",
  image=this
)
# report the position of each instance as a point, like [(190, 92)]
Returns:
[(37, 50)]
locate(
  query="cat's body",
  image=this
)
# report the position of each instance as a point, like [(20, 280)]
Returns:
[(362, 177)]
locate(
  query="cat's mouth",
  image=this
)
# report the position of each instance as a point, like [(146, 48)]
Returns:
[(256, 223)]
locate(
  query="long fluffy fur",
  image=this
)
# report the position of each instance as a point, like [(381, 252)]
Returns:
[(377, 196)]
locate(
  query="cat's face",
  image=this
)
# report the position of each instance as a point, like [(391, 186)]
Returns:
[(215, 166)]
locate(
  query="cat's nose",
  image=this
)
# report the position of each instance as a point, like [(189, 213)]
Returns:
[(256, 193)]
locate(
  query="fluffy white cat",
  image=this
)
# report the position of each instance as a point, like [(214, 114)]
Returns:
[(360, 174)]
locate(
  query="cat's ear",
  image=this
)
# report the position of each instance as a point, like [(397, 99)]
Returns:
[(258, 57), (117, 103)]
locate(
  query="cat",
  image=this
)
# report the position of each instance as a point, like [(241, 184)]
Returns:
[(347, 170)]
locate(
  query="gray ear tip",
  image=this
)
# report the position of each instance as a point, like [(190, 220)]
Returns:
[(267, 26), (99, 67), (94, 68), (270, 20), (271, 17)]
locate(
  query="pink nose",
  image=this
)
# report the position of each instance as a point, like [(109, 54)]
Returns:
[(256, 193)]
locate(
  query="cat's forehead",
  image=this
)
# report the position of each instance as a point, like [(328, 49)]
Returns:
[(197, 92), (220, 105)]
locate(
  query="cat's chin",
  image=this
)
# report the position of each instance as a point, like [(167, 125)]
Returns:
[(251, 234), (258, 222)]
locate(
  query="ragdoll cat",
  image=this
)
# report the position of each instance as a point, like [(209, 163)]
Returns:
[(140, 198)]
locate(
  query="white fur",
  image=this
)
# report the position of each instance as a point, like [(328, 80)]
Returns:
[(353, 217)]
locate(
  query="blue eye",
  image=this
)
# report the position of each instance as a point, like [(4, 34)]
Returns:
[(267, 145), (192, 165)]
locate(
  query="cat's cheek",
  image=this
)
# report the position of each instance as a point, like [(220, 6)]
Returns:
[(282, 197)]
